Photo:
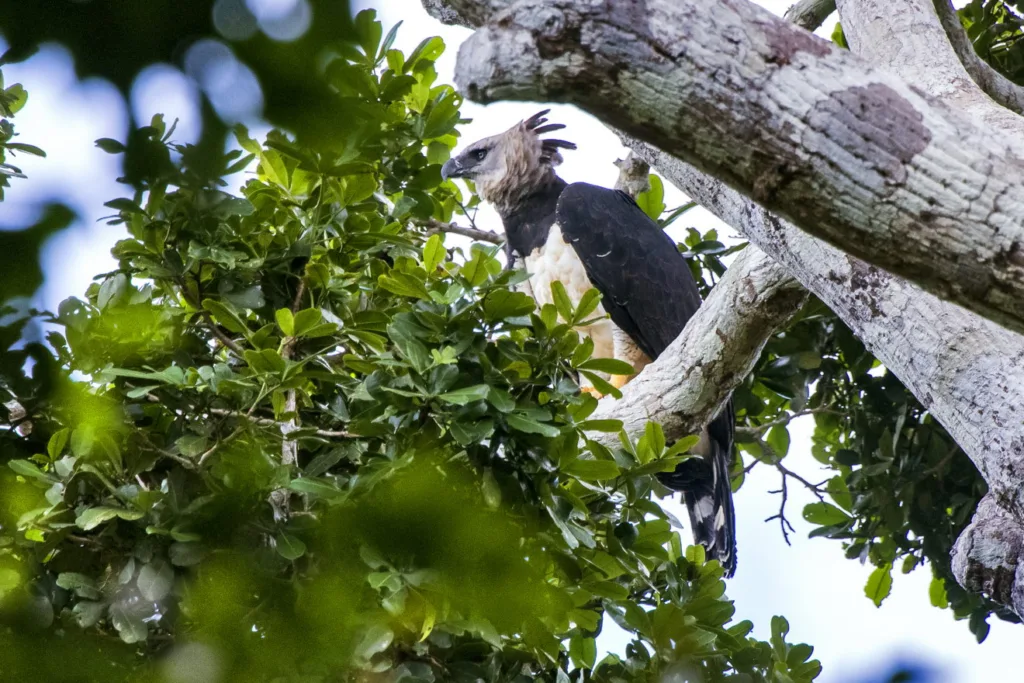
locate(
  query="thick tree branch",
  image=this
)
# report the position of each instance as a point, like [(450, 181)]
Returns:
[(846, 151), (998, 87), (913, 44), (966, 370), (810, 14), (910, 41), (695, 375), (988, 558)]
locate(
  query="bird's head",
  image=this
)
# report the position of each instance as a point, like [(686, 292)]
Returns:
[(510, 165)]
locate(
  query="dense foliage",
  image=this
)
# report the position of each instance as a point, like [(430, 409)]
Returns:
[(296, 434), (294, 438)]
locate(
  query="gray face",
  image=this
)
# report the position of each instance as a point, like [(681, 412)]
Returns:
[(483, 161)]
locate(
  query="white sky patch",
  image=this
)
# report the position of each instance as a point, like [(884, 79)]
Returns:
[(164, 89), (811, 583)]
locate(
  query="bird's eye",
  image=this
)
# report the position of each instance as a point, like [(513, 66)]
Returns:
[(478, 154)]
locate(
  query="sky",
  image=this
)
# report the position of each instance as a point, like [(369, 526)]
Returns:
[(810, 582)]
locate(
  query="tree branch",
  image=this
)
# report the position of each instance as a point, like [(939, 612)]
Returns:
[(693, 378), (436, 226), (634, 175), (810, 14), (1002, 90), (847, 152), (911, 41), (988, 558)]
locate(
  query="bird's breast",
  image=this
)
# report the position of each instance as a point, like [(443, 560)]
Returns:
[(554, 260)]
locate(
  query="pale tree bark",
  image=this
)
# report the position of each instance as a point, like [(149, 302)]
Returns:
[(990, 552), (844, 150)]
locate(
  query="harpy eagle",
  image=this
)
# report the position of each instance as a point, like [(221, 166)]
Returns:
[(587, 236)]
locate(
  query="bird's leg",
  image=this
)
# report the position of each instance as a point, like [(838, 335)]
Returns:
[(593, 392), (619, 381)]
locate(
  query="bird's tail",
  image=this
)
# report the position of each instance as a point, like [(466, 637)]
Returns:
[(707, 493)]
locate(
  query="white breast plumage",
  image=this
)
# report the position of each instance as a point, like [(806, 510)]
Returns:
[(557, 260)]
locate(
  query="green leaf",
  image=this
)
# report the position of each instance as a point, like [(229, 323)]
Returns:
[(404, 284), (110, 146), (592, 470), (601, 425), (434, 253), (187, 554), (155, 580), (306, 320), (225, 316), (57, 443), (587, 305), (840, 492), (28, 469), (652, 202), (601, 384), (491, 490), (124, 204), (879, 584), (778, 439), (88, 614), (128, 622), (82, 585), (824, 514), (461, 397), (27, 149), (583, 651), (289, 547), (525, 424), (501, 399), (612, 366), (315, 487), (937, 593), (285, 321), (561, 300), (501, 304), (90, 518)]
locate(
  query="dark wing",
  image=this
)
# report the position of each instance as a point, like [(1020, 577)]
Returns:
[(648, 291), (646, 284)]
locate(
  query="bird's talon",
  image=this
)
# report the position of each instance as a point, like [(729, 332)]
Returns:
[(593, 392)]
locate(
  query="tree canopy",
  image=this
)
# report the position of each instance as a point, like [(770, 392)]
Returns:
[(297, 435)]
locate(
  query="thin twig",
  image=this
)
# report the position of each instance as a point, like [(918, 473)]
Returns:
[(435, 226), (744, 434), (227, 341), (266, 421), (781, 516)]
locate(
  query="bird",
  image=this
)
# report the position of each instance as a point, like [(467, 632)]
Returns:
[(586, 236)]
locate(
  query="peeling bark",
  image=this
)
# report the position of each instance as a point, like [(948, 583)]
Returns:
[(688, 384), (847, 152)]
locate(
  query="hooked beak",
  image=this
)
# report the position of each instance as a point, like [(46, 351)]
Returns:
[(452, 169)]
